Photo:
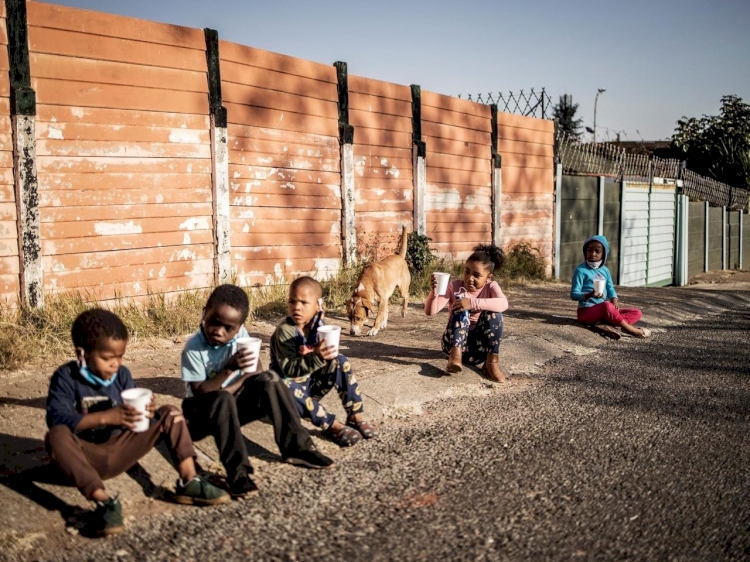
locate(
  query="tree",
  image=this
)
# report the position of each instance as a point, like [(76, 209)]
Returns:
[(565, 113), (718, 146)]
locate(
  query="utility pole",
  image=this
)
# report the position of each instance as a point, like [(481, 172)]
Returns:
[(596, 99)]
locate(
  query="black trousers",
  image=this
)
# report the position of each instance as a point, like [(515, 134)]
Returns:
[(222, 415)]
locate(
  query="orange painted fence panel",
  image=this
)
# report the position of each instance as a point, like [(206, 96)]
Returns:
[(9, 259), (458, 198), (384, 191), (123, 153), (284, 165), (527, 203)]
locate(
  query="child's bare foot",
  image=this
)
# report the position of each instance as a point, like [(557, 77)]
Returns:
[(607, 330), (635, 332)]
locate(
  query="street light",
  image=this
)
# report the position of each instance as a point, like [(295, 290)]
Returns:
[(596, 99)]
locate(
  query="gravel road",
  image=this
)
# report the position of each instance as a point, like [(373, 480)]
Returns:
[(638, 451)]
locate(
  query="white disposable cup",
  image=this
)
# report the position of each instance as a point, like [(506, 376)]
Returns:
[(331, 335), (253, 344), (442, 282), (599, 286), (138, 398)]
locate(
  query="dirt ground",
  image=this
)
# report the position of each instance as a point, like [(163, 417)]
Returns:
[(400, 371), (722, 280)]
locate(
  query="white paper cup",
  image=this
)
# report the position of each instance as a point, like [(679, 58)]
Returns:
[(599, 286), (331, 335), (138, 398), (442, 282), (253, 344)]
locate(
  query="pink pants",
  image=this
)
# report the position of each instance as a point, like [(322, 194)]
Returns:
[(606, 312)]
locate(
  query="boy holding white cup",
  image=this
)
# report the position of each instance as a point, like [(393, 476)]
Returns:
[(94, 435), (226, 388), (306, 353)]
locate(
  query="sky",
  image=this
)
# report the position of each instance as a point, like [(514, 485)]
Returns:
[(658, 60)]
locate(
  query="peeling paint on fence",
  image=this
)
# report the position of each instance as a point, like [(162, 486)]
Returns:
[(115, 229), (284, 162), (381, 115), (125, 158), (10, 265)]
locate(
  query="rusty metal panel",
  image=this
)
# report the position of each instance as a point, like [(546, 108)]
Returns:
[(284, 166), (123, 153)]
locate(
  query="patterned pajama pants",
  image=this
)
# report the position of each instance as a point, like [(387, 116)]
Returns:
[(478, 342), (308, 391)]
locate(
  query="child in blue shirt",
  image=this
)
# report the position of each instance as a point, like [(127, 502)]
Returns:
[(220, 400), (604, 307), (90, 437)]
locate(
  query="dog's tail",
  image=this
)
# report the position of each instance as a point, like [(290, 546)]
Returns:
[(404, 241)]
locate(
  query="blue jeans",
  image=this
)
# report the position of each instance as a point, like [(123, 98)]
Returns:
[(477, 343), (309, 390)]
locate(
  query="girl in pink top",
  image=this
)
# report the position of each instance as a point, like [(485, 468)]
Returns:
[(476, 304)]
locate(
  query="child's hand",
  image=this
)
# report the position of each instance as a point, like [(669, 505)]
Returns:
[(616, 303), (125, 416), (433, 284), (305, 349), (326, 353), (245, 357), (151, 408), (460, 305)]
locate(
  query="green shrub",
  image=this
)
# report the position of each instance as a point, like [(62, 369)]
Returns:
[(523, 262), (419, 255)]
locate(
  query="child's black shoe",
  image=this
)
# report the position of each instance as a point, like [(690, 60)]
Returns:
[(107, 518), (242, 486), (310, 458), (199, 491)]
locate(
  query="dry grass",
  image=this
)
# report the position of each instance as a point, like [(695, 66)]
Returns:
[(31, 336)]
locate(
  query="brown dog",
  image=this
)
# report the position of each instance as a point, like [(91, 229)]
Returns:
[(375, 286)]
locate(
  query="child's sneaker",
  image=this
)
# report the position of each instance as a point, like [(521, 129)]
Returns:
[(107, 518), (199, 491), (310, 458)]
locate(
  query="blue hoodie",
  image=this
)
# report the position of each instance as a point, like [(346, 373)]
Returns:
[(584, 275)]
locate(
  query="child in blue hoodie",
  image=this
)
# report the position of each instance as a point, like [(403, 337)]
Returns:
[(604, 307)]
